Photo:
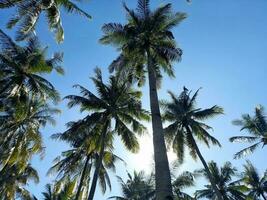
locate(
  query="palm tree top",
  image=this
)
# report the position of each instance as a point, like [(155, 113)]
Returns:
[(251, 174), (146, 32), (109, 96), (186, 119), (137, 187), (223, 177), (115, 101), (256, 185), (22, 68), (256, 126), (183, 108), (32, 49)]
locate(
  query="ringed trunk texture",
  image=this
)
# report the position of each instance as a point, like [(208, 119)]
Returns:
[(213, 184), (82, 178), (99, 161), (163, 177)]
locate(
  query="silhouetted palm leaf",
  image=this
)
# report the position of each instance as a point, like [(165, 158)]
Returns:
[(256, 126)]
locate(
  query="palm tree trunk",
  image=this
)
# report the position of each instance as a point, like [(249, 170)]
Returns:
[(163, 177), (82, 177), (213, 184), (99, 161)]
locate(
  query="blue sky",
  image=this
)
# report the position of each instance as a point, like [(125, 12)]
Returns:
[(224, 45)]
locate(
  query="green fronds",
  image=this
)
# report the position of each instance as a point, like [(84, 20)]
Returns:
[(23, 70), (208, 113), (13, 181), (143, 8), (145, 33), (137, 186), (72, 8), (20, 131), (186, 122), (114, 102), (254, 182), (184, 180), (28, 12), (128, 137), (256, 126), (223, 177)]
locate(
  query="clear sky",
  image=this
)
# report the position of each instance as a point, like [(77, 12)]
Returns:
[(224, 45)]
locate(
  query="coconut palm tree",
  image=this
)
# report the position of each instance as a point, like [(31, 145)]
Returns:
[(186, 123), (137, 187), (78, 163), (116, 103), (28, 13), (22, 69), (13, 181), (182, 181), (141, 187), (146, 44), (256, 126), (66, 193), (256, 185), (223, 178), (20, 135)]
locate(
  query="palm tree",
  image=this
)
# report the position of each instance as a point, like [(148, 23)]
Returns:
[(78, 162), (256, 185), (28, 13), (13, 181), (186, 123), (256, 126), (182, 181), (141, 187), (22, 69), (223, 176), (147, 44), (20, 135), (66, 193), (137, 187), (116, 103)]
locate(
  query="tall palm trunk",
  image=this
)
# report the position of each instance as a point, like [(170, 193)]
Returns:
[(163, 177), (213, 184), (99, 161), (82, 177)]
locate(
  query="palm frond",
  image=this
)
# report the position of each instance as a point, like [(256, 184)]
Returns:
[(143, 8), (208, 113), (247, 151)]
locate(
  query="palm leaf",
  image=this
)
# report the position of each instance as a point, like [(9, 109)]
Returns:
[(247, 150)]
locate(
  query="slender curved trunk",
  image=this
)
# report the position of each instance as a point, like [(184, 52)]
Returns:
[(82, 177), (163, 177), (213, 184), (262, 194), (99, 161)]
